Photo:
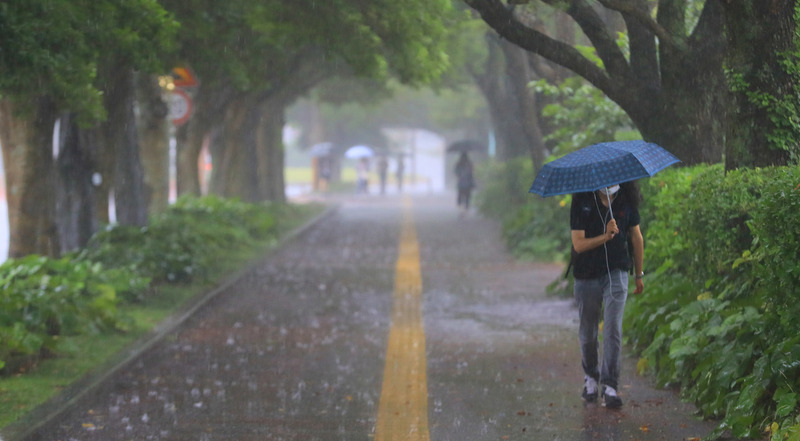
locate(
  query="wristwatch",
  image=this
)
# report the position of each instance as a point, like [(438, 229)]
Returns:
[(640, 275)]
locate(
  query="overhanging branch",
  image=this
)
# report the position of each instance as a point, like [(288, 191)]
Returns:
[(630, 8), (502, 20)]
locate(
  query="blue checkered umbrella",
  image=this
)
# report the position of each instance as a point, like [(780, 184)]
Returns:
[(601, 165)]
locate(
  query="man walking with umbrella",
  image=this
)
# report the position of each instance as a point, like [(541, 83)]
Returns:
[(604, 217), (600, 266)]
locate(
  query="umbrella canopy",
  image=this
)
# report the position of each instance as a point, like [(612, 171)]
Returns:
[(466, 145), (321, 149), (359, 151), (601, 165)]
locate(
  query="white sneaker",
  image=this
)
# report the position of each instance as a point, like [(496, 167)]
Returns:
[(589, 389), (610, 398)]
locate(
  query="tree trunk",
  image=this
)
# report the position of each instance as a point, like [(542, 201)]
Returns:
[(75, 192), (514, 114), (520, 75), (188, 143), (103, 177), (30, 177), (686, 112), (154, 133), (237, 175), (15, 138), (187, 150), (758, 34), (216, 148), (121, 135), (209, 104), (271, 151)]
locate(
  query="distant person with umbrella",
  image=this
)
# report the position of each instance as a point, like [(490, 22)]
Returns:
[(604, 217), (465, 181)]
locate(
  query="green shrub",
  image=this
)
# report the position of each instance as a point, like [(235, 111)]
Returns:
[(184, 242), (533, 227), (540, 229), (503, 187), (718, 316), (46, 298)]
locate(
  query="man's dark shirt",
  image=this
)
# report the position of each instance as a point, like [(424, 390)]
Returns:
[(585, 215)]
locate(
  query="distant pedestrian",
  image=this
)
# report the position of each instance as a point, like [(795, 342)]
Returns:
[(399, 173), (324, 173), (465, 181), (383, 168), (600, 264), (362, 174)]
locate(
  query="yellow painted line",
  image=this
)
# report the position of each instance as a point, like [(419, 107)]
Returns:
[(403, 408)]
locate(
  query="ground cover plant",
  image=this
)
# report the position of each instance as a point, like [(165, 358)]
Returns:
[(59, 318)]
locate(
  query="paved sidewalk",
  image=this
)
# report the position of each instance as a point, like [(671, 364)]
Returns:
[(295, 348)]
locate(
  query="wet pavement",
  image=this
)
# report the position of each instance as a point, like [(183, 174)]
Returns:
[(295, 349)]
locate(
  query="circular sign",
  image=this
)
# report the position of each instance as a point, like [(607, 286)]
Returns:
[(180, 107)]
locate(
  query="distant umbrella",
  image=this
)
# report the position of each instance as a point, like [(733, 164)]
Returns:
[(359, 151), (321, 149), (466, 145)]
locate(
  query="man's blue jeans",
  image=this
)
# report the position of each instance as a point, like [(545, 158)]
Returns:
[(596, 296)]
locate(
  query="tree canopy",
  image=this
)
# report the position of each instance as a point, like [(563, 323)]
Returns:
[(670, 77), (55, 48)]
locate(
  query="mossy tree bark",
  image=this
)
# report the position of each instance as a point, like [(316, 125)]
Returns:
[(30, 177)]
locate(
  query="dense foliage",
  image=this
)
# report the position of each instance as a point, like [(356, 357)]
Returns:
[(56, 49), (534, 228), (718, 315), (581, 116), (45, 298), (184, 242)]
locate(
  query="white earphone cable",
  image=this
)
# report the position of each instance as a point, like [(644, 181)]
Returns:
[(603, 220)]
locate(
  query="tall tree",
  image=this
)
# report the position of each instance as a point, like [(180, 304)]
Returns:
[(763, 63), (504, 79), (48, 67), (76, 165), (258, 49), (154, 142), (669, 79)]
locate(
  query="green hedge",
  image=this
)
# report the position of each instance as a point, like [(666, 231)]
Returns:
[(718, 316), (43, 298), (183, 242)]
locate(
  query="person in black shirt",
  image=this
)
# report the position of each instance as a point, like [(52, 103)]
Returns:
[(466, 182), (601, 262)]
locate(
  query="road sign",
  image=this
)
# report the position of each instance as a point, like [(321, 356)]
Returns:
[(180, 107), (183, 77)]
